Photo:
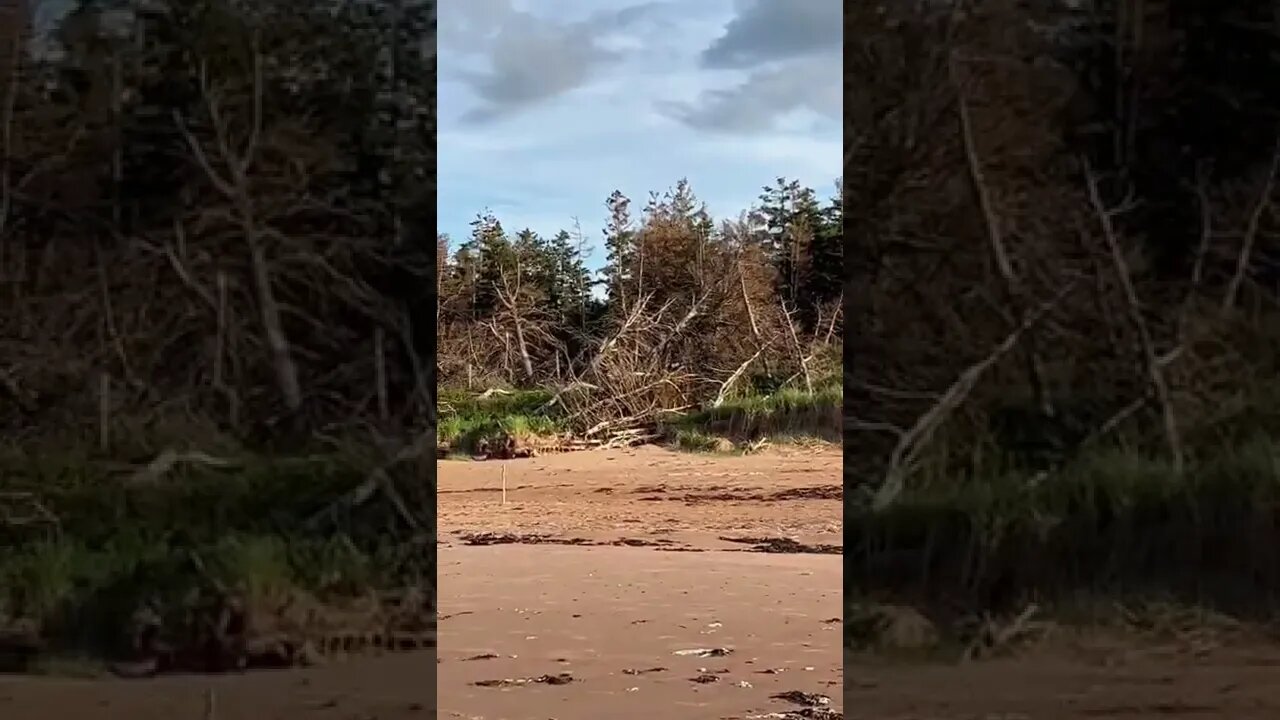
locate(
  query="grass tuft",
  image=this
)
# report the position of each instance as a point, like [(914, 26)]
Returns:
[(116, 547), (1111, 523), (788, 415)]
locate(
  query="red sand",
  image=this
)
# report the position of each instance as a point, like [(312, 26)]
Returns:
[(600, 611), (592, 611), (1227, 684), (597, 611)]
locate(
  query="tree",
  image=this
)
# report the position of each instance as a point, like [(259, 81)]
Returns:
[(690, 307), (620, 245), (202, 163)]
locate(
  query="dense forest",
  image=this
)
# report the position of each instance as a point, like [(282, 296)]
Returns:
[(216, 316), (216, 215), (686, 311), (1063, 301)]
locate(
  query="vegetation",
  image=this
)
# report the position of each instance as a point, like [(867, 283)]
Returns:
[(204, 208), (1114, 524), (86, 549), (466, 420), (789, 414), (743, 317), (1066, 323)]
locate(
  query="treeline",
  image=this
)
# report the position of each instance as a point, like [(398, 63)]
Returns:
[(685, 309), (1063, 234), (216, 212)]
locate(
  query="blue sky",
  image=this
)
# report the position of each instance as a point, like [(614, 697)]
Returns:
[(547, 107)]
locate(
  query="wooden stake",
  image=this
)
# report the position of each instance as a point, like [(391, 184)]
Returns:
[(504, 483)]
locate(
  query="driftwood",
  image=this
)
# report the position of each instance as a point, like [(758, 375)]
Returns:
[(166, 461)]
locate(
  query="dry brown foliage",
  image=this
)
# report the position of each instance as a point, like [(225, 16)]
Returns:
[(971, 211)]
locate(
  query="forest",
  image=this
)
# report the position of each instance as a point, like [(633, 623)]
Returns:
[(731, 327), (216, 311), (207, 207), (1063, 294)]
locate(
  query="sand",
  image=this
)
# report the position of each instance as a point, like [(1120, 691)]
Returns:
[(608, 615), (614, 618), (611, 615), (1228, 683)]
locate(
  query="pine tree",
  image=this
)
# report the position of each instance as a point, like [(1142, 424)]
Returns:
[(620, 246), (494, 256), (826, 274), (777, 210), (569, 283)]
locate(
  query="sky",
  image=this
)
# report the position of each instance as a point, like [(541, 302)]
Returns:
[(545, 108)]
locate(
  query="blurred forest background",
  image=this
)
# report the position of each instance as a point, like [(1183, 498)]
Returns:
[(1064, 275), (215, 215), (217, 316)]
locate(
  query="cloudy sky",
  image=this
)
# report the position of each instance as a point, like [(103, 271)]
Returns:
[(547, 107)]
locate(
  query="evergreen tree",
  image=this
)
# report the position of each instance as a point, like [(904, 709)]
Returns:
[(569, 283), (806, 244), (494, 257), (620, 246)]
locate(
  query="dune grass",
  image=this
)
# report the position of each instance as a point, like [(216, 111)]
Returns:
[(108, 546), (695, 440), (515, 402), (788, 415), (467, 420), (1111, 523)]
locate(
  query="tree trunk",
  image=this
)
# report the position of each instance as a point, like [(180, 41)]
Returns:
[(269, 312)]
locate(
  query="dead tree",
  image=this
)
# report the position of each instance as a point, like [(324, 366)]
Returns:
[(234, 183)]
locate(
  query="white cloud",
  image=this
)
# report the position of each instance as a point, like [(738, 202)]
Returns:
[(640, 110)]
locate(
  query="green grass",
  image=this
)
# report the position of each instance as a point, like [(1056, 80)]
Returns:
[(693, 440), (463, 433), (82, 594), (466, 420), (260, 529), (788, 400), (516, 402), (787, 415), (784, 416), (1111, 523)]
